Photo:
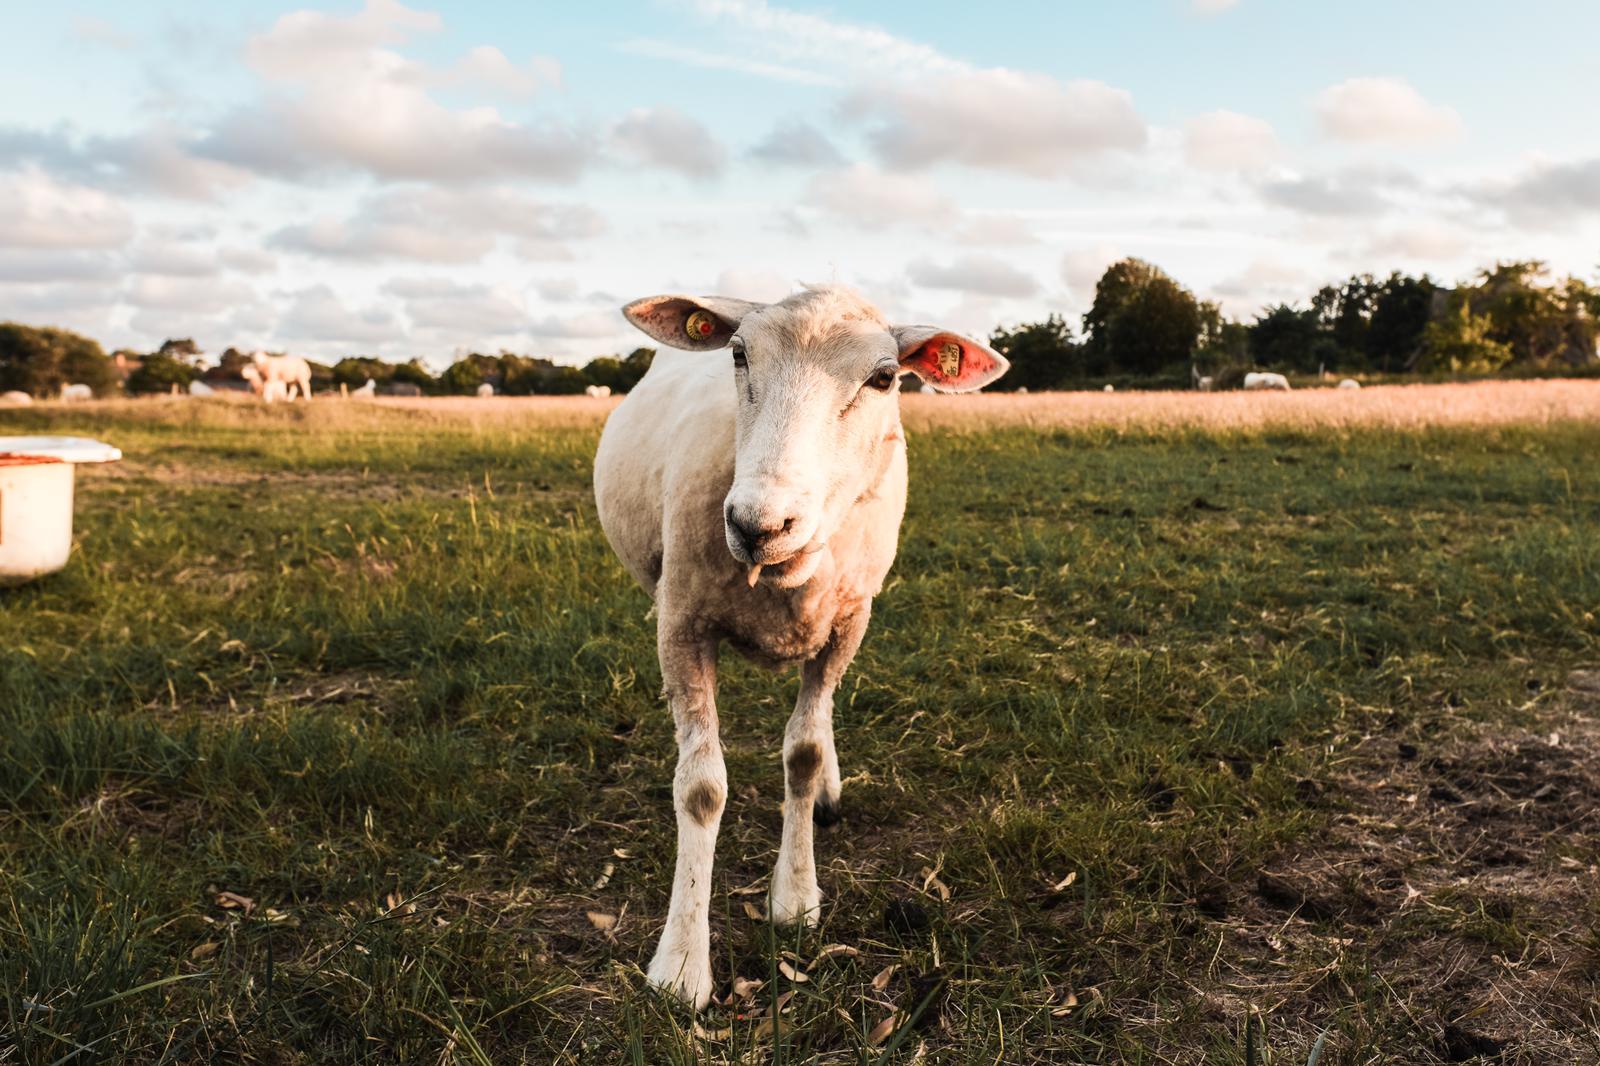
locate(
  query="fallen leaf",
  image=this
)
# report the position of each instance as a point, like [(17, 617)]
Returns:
[(930, 878), (622, 853), (757, 889), (395, 901), (834, 951), (754, 913), (782, 1003), (1065, 882), (711, 1034), (881, 1031), (605, 876), (744, 988), (797, 976), (603, 922), (1068, 1001), (205, 950), (229, 901), (881, 981)]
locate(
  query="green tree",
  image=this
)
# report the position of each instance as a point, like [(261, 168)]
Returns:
[(1286, 338), (159, 373), (1462, 342), (1401, 312), (39, 361), (1141, 321), (1043, 355), (182, 348), (607, 371), (412, 372), (634, 366)]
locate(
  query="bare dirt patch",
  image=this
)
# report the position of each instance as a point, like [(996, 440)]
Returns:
[(1454, 887)]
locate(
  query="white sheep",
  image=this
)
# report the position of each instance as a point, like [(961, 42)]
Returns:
[(1266, 381), (367, 391), (15, 398), (757, 497), (286, 371), (485, 391), (76, 393), (598, 392), (1109, 388), (1349, 383), (200, 388)]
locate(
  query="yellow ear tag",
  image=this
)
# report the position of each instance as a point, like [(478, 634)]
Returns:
[(699, 326), (950, 360)]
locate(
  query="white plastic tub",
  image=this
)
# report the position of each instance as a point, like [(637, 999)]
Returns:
[(36, 501)]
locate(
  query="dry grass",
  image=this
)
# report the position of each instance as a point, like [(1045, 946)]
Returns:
[(1483, 403)]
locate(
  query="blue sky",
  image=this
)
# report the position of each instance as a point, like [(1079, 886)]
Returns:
[(350, 177)]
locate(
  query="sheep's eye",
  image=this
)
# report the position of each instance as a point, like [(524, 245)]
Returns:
[(882, 379), (738, 354)]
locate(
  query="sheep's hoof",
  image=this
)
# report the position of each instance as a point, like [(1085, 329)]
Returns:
[(825, 812), (681, 977)]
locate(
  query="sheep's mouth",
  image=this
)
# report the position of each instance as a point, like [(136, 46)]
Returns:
[(790, 570)]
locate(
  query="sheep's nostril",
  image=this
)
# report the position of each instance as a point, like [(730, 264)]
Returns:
[(788, 524)]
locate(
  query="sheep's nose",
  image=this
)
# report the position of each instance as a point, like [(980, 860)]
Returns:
[(755, 534)]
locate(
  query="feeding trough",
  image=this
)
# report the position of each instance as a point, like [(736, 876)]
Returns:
[(36, 501)]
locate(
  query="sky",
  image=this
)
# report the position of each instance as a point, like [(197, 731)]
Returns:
[(376, 178)]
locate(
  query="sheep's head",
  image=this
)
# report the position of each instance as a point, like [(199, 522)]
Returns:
[(817, 378)]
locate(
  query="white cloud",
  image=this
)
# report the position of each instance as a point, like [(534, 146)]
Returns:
[(587, 326), (979, 275), (667, 138), (1347, 193), (186, 296), (1213, 7), (677, 53), (996, 120), (487, 67), (1424, 241), (1227, 140), (923, 107), (1265, 281), (1081, 269), (91, 30), (317, 315), (442, 226), (795, 142), (37, 211), (874, 200), (442, 304), (992, 229), (1383, 110), (762, 286), (37, 265), (338, 99), (1551, 194)]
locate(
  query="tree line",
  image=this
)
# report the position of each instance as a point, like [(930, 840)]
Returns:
[(1144, 328), (40, 360)]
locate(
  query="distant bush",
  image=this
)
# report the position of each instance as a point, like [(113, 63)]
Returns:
[(159, 373), (39, 360)]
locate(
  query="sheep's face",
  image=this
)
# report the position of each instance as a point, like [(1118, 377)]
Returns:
[(816, 380)]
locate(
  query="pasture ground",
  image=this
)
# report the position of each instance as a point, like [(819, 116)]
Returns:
[(1175, 740)]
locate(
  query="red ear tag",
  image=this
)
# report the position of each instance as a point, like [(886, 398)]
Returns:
[(699, 325), (950, 360)]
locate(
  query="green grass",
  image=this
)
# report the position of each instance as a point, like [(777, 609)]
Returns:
[(384, 679)]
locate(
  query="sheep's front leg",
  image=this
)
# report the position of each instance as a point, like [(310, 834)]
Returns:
[(811, 776), (682, 963)]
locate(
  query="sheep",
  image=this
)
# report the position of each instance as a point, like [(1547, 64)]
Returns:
[(485, 391), (1349, 383), (289, 371), (15, 398), (1109, 388), (598, 392), (1266, 381), (75, 393), (200, 388), (1206, 383), (757, 498), (367, 391)]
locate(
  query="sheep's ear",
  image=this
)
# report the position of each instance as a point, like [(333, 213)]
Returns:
[(697, 323), (948, 361)]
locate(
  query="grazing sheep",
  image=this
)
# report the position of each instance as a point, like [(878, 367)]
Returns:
[(15, 398), (200, 388), (757, 498), (367, 391), (75, 393), (289, 371), (1349, 383), (598, 392), (1266, 381), (1206, 383), (1109, 388), (485, 391)]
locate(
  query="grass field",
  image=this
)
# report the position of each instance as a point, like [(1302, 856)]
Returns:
[(1184, 734)]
